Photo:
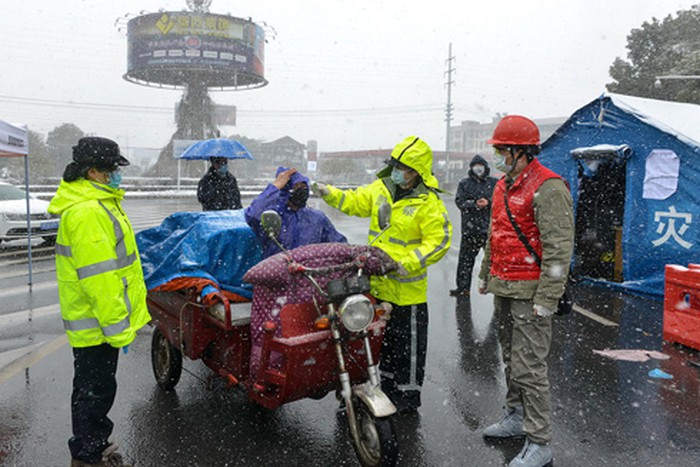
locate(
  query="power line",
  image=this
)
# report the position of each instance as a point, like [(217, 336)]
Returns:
[(254, 113)]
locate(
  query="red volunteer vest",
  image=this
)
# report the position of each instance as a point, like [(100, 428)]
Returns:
[(510, 259)]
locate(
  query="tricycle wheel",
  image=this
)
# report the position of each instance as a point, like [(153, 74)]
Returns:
[(166, 360), (377, 444)]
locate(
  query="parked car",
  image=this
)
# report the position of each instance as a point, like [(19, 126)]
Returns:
[(13, 216)]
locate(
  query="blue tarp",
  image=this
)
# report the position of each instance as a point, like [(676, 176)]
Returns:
[(214, 245), (656, 230)]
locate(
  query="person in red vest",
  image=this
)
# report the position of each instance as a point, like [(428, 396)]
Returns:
[(525, 266)]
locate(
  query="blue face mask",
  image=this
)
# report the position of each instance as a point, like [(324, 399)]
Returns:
[(115, 179), (223, 168), (398, 176)]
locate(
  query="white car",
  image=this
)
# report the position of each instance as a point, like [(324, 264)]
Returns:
[(13, 216)]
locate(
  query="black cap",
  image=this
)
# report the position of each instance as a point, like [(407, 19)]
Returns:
[(98, 152)]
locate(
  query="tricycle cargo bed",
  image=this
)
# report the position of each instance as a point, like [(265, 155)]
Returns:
[(189, 326)]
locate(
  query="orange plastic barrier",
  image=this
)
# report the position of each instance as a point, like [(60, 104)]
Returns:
[(682, 305)]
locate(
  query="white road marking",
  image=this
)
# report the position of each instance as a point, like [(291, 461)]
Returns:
[(25, 288), (25, 315), (593, 316), (36, 354)]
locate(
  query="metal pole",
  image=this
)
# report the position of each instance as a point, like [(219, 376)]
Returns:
[(448, 114), (29, 215)]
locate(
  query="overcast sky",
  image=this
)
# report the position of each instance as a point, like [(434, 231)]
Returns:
[(350, 74)]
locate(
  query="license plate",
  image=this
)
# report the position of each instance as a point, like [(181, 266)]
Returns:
[(49, 225)]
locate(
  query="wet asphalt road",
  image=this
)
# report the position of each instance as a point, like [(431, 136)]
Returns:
[(606, 412)]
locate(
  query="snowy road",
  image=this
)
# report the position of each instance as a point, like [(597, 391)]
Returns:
[(606, 412)]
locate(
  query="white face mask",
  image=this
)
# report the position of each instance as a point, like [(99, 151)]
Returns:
[(479, 170), (499, 162)]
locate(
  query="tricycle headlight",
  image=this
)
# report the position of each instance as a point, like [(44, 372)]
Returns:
[(356, 313)]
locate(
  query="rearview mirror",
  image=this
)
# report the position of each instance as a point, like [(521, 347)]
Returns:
[(271, 223), (384, 215)]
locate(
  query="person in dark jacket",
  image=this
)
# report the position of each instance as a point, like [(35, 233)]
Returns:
[(218, 189), (301, 225), (474, 201)]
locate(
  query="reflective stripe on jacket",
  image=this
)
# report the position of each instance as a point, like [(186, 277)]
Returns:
[(100, 282), (420, 235)]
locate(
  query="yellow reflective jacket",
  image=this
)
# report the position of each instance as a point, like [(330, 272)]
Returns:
[(100, 282), (420, 234)]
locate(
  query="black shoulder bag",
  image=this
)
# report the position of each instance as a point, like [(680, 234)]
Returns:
[(566, 302)]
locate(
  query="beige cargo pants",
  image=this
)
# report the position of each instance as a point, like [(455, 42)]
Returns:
[(525, 340)]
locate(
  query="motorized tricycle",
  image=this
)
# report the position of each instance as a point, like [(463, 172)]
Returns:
[(327, 342)]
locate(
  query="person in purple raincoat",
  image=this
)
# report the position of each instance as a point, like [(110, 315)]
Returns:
[(301, 225)]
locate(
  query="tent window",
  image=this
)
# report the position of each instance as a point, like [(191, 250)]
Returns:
[(661, 174)]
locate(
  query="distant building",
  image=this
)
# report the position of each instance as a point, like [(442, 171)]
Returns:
[(471, 136), (284, 151)]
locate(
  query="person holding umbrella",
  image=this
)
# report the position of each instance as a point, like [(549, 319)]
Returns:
[(218, 189)]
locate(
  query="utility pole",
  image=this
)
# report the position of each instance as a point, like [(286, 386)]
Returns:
[(448, 113)]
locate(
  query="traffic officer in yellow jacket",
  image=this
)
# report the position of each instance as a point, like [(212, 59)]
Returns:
[(101, 290), (419, 235)]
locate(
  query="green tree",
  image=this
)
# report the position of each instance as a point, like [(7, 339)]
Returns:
[(667, 47), (59, 147)]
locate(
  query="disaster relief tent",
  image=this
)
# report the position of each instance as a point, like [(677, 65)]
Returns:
[(633, 165), (14, 142)]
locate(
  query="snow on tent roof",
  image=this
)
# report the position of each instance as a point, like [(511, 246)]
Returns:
[(676, 118)]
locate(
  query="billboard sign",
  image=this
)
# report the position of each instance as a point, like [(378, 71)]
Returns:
[(174, 47)]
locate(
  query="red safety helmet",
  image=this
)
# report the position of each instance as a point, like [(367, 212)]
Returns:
[(515, 130)]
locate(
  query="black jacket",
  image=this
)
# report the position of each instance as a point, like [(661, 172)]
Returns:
[(475, 221), (218, 192)]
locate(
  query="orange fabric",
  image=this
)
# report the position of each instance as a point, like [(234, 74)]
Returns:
[(198, 284)]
